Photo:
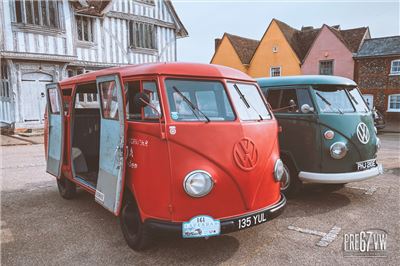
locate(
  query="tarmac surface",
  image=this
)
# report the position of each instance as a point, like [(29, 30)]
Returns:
[(38, 227)]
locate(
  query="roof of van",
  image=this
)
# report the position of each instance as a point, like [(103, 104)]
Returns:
[(305, 80), (181, 69)]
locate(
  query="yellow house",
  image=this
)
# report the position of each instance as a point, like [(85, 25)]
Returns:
[(279, 52), (234, 51)]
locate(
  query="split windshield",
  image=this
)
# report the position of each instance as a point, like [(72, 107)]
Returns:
[(191, 100), (339, 99), (195, 100)]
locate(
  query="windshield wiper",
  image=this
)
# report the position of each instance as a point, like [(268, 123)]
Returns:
[(191, 105), (355, 101), (243, 98), (327, 102)]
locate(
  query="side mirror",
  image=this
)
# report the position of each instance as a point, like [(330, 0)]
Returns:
[(292, 103), (305, 109)]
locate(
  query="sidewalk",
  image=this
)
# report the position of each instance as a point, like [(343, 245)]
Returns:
[(12, 140)]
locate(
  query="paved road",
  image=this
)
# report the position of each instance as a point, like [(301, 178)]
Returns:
[(39, 227)]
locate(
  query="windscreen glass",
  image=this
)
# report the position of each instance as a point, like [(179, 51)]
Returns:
[(194, 100), (248, 101)]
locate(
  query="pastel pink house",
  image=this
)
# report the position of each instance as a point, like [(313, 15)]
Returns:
[(332, 51)]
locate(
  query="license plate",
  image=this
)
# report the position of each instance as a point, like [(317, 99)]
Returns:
[(251, 220), (365, 165), (201, 226)]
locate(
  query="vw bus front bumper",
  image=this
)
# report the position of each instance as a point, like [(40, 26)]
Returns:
[(340, 178), (227, 225)]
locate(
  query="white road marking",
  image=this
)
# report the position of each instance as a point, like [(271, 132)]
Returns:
[(326, 238), (329, 237), (368, 191)]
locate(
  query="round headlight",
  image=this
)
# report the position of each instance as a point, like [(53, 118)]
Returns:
[(378, 143), (198, 183), (338, 150), (278, 170)]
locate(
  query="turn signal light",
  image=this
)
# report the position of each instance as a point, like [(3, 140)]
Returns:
[(329, 134)]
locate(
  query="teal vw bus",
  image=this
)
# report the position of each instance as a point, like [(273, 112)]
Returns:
[(327, 130)]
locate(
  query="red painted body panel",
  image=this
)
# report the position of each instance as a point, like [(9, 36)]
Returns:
[(157, 161)]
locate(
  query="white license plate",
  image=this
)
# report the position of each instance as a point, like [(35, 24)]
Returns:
[(365, 165)]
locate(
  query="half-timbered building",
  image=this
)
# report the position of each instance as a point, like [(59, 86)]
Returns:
[(46, 41)]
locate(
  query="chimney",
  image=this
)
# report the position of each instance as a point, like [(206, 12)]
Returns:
[(217, 43), (337, 27), (303, 28)]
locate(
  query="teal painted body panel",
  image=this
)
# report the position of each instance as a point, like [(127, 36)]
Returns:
[(302, 137), (345, 128), (54, 144), (304, 80)]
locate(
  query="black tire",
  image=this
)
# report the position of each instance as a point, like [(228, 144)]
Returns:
[(290, 184), (136, 234), (66, 188)]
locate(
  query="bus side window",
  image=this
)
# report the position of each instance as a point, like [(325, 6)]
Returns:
[(289, 96), (146, 113), (273, 98), (304, 97)]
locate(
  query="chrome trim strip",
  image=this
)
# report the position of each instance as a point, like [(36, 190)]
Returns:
[(340, 178)]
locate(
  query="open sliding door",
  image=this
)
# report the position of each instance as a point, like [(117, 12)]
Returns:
[(111, 177), (55, 140)]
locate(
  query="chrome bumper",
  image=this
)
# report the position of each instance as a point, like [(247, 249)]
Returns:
[(340, 178)]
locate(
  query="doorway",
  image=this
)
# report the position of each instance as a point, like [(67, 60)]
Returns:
[(85, 132), (33, 95)]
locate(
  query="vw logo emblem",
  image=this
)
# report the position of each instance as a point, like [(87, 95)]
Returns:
[(363, 133), (245, 154)]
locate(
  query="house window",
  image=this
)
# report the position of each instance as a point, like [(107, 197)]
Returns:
[(395, 67), (4, 82), (41, 13), (84, 27), (142, 35), (275, 71), (394, 103), (326, 67)]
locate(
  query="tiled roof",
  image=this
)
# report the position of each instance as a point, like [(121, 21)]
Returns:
[(352, 38), (244, 47), (380, 47), (299, 40)]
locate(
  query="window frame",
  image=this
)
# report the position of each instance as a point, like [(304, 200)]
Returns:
[(136, 28), (391, 67), (20, 14), (326, 61), (275, 67), (91, 28), (141, 80), (281, 89), (5, 89), (393, 110)]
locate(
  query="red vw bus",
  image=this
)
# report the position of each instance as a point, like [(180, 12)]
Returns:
[(169, 146)]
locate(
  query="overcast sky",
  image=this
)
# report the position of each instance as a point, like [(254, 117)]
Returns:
[(206, 20)]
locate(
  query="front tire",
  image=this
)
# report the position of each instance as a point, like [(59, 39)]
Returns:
[(135, 232), (66, 188), (290, 184)]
